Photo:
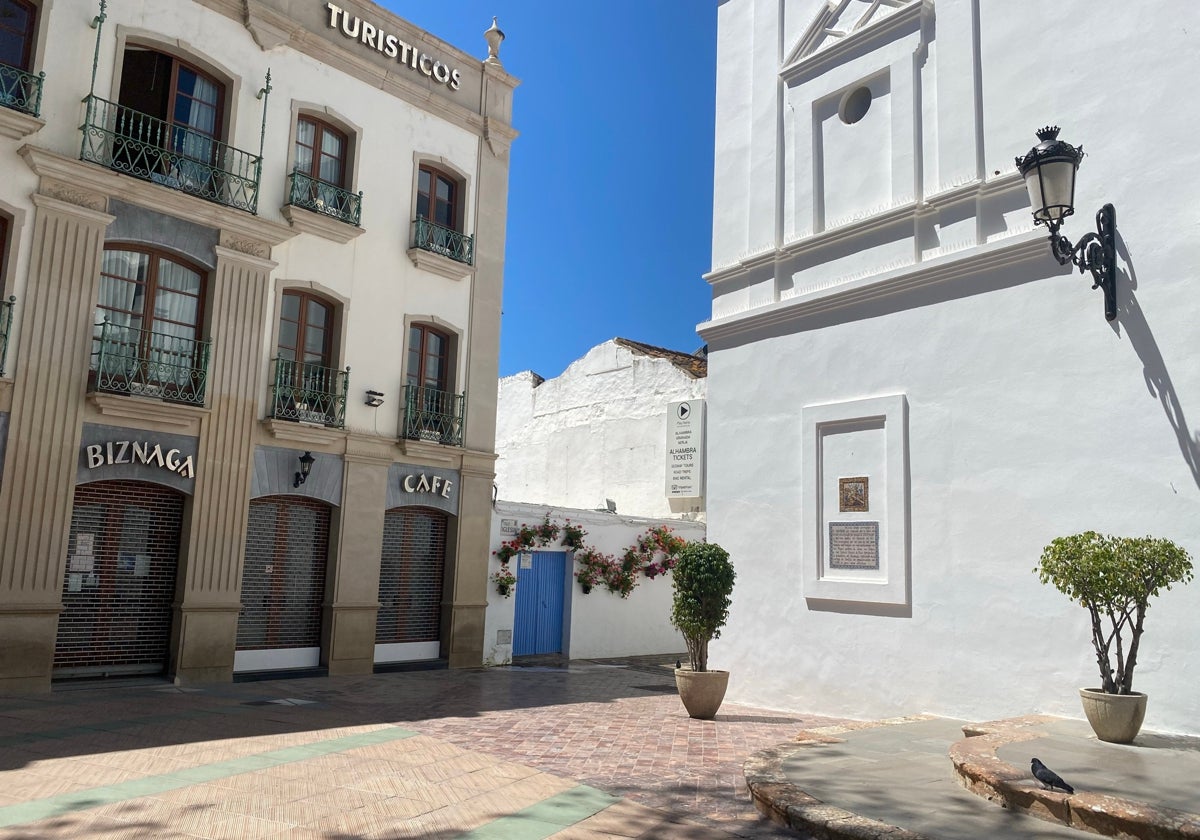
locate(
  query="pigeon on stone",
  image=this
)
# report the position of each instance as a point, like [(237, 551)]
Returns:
[(1048, 777)]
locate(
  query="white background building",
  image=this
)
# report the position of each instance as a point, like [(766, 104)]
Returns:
[(884, 310), (598, 431), (567, 447)]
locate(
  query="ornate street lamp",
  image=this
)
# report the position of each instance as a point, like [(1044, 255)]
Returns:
[(306, 462), (1049, 172)]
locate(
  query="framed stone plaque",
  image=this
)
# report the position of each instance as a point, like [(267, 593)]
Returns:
[(854, 545), (853, 494)]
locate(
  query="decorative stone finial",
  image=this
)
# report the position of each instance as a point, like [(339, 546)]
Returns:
[(493, 36)]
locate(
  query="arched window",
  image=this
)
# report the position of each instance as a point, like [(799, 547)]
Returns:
[(428, 358), (305, 329), (437, 197), (17, 19), (20, 90), (148, 318), (321, 151), (321, 171), (307, 387), (167, 127), (431, 411)]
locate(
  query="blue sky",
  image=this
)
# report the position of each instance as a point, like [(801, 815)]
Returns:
[(610, 185)]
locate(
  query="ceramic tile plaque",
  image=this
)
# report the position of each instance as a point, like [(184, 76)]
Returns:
[(854, 545), (853, 496)]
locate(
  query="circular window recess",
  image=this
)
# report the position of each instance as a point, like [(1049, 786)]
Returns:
[(855, 105)]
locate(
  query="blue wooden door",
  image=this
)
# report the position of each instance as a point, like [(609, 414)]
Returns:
[(539, 610)]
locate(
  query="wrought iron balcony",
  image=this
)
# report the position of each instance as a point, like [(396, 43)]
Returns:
[(430, 236), (6, 314), (434, 415), (142, 363), (21, 91), (320, 197), (175, 156), (308, 393)]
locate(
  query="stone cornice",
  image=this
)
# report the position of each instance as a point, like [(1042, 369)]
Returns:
[(15, 125), (304, 434), (269, 27), (431, 454), (439, 265), (1022, 247), (813, 243), (184, 417), (499, 136), (318, 224), (89, 177), (973, 190)]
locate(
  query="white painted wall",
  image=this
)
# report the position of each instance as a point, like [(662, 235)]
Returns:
[(1029, 416), (599, 624), (596, 432)]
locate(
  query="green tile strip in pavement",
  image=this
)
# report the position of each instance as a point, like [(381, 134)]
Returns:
[(66, 803), (547, 817)]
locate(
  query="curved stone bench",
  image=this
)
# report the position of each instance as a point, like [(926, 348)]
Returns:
[(980, 771), (784, 803)]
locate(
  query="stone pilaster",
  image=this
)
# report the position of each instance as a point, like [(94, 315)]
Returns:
[(353, 605), (205, 630), (466, 600), (49, 383)]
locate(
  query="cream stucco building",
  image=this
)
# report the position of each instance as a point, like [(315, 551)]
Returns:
[(909, 397), (251, 257)]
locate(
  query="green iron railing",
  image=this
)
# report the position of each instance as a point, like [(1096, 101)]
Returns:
[(431, 236), (21, 91), (6, 315), (142, 363), (175, 156), (309, 393), (320, 197), (434, 415)]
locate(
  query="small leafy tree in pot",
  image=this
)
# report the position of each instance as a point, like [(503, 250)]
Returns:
[(1114, 578), (703, 581)]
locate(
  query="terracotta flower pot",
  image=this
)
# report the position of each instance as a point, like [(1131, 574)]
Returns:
[(1116, 718), (701, 691)]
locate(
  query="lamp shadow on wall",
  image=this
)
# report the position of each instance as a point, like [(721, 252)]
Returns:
[(1154, 368)]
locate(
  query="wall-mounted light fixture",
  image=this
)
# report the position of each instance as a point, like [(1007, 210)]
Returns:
[(1049, 172), (374, 398), (306, 462)]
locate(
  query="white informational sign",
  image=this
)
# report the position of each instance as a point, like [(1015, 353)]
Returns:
[(685, 449)]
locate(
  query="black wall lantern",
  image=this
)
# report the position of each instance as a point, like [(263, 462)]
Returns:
[(306, 462), (1049, 173)]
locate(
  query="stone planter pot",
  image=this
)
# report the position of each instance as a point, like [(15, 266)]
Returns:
[(701, 691), (1115, 718)]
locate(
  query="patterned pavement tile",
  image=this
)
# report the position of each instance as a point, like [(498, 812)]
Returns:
[(488, 743)]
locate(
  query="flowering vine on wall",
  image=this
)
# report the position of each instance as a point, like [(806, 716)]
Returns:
[(653, 553)]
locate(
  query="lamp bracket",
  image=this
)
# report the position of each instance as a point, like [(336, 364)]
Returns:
[(1096, 252)]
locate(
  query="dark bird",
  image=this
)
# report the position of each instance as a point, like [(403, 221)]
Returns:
[(1048, 777)]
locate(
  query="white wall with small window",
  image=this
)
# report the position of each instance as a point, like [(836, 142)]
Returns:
[(887, 322)]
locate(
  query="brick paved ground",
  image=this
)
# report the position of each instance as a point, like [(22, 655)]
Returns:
[(422, 754)]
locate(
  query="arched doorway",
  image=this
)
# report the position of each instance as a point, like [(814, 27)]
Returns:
[(283, 584), (411, 574), (119, 582)]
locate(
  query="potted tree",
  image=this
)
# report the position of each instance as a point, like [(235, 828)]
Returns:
[(1114, 579), (703, 582)]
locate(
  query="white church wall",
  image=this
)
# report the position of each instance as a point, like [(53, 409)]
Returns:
[(1028, 415)]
